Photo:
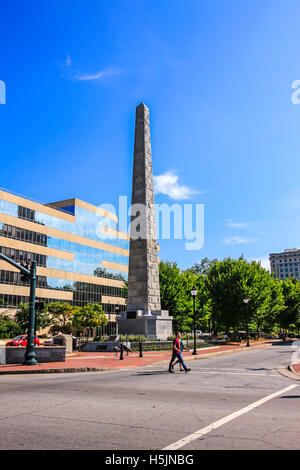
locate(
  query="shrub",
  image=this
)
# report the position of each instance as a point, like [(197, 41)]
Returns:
[(100, 339), (9, 328), (132, 338)]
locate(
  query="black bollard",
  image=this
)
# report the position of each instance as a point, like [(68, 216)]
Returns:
[(121, 353), (141, 349)]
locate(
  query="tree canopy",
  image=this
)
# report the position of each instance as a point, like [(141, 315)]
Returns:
[(89, 316), (42, 319), (222, 286)]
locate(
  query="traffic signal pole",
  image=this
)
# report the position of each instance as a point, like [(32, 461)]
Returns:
[(30, 356)]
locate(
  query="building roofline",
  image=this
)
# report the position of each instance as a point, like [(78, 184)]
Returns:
[(85, 205), (13, 193), (58, 205), (286, 252)]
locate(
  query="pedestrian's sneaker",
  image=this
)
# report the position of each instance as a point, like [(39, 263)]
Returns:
[(188, 370), (171, 371)]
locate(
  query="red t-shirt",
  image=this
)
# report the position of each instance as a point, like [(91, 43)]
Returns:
[(176, 343)]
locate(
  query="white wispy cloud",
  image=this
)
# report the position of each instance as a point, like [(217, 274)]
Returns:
[(230, 223), (68, 62), (237, 240), (167, 183), (70, 73), (96, 76)]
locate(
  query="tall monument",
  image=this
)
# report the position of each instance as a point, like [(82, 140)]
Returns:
[(144, 315)]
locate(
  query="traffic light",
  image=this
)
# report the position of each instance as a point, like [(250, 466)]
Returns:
[(25, 277)]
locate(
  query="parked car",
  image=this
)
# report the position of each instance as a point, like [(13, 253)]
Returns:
[(21, 340)]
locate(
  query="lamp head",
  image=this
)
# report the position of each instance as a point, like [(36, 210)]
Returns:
[(194, 292)]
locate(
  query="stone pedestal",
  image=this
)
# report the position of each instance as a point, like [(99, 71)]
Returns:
[(64, 340), (153, 325)]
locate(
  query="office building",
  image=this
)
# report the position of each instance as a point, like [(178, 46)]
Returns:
[(286, 264), (76, 262)]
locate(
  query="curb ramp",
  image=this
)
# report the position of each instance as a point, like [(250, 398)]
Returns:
[(289, 372)]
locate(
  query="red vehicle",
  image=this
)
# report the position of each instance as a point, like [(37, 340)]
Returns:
[(21, 340)]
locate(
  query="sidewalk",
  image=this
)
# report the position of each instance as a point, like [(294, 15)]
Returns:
[(295, 368), (96, 362)]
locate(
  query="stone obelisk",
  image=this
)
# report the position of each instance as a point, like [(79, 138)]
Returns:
[(143, 276), (144, 315)]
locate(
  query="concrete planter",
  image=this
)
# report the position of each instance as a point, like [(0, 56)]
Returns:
[(16, 355)]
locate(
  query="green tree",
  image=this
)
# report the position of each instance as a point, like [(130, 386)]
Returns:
[(41, 317), (273, 306), (8, 327), (190, 279), (203, 266), (229, 282), (89, 316), (175, 291), (289, 318), (222, 287), (61, 315), (170, 287)]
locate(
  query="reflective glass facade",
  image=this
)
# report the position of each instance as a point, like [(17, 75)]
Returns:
[(76, 261), (87, 224)]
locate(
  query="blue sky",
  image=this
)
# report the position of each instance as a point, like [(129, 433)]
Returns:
[(217, 76)]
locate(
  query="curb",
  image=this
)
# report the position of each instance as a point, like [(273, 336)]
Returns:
[(55, 371), (103, 369), (292, 369), (289, 373)]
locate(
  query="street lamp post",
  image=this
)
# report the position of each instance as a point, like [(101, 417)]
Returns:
[(117, 312), (194, 295), (246, 301)]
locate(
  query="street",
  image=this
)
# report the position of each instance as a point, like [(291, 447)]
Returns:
[(147, 408)]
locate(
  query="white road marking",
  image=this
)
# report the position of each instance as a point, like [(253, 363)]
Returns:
[(201, 432), (233, 373), (222, 368)]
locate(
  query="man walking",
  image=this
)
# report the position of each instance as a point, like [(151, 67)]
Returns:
[(177, 354), (182, 347)]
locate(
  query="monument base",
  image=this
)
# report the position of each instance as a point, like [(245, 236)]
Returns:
[(153, 325)]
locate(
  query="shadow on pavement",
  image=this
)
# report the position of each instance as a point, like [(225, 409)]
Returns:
[(159, 372), (284, 343), (291, 396)]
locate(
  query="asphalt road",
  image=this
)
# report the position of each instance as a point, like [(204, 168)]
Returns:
[(225, 402)]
